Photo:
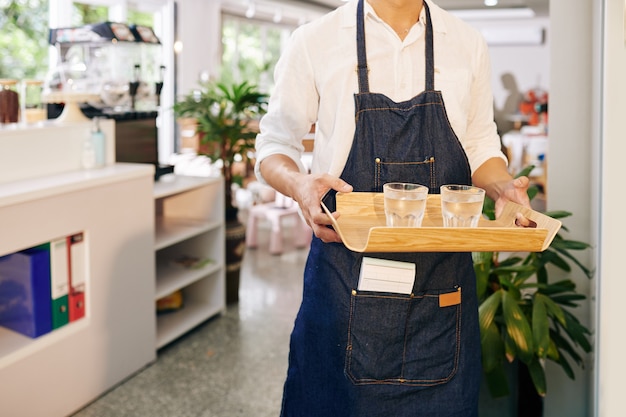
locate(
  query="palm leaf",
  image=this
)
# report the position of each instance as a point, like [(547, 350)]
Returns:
[(540, 326), (538, 376), (517, 327)]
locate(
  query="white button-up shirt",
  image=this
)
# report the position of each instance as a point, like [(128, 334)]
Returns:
[(316, 80)]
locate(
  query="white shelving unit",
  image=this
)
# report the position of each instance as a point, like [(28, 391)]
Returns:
[(189, 214), (74, 364)]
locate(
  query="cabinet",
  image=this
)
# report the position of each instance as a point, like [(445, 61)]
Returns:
[(189, 218), (59, 372)]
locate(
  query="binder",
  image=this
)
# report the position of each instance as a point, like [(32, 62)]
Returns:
[(59, 278), (77, 276), (25, 293)]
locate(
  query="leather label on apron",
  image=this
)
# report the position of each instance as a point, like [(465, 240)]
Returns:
[(450, 299)]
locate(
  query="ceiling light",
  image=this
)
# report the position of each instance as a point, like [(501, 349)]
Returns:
[(278, 16), (494, 14), (251, 11), (490, 3)]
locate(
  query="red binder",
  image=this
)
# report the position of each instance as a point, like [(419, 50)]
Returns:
[(77, 276)]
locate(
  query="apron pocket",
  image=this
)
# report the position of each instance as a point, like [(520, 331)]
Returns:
[(410, 340), (388, 170)]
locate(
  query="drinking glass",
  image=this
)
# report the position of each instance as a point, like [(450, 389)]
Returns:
[(404, 204), (461, 205)]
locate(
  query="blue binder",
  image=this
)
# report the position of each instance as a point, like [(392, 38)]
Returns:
[(25, 295)]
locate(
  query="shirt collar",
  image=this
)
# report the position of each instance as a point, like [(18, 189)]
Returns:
[(349, 13)]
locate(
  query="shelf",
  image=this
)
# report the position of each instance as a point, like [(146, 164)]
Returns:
[(170, 231), (175, 324), (16, 346), (171, 184), (23, 191), (189, 219), (172, 277)]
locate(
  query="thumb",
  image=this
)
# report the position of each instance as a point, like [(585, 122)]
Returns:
[(521, 182)]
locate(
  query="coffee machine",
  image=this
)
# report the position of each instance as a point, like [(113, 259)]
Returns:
[(120, 67)]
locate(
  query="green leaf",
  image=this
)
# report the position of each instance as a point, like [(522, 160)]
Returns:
[(510, 351), (559, 287), (525, 171), (553, 309), (492, 348), (589, 273), (540, 326), (510, 261), (570, 244), (482, 268), (558, 214), (517, 327), (497, 382), (566, 367), (564, 346), (553, 351), (577, 332), (488, 309), (538, 375)]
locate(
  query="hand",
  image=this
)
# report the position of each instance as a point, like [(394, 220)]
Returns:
[(517, 192), (309, 194)]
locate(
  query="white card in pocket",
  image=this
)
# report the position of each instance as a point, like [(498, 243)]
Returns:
[(383, 275)]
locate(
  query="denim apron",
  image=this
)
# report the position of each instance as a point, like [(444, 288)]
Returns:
[(361, 354)]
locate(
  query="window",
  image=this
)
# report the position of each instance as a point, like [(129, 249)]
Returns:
[(251, 48), (23, 39)]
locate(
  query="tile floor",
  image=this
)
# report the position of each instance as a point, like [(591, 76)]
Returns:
[(232, 365)]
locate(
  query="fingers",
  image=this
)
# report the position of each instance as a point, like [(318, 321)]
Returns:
[(321, 229), (521, 182), (326, 234), (522, 221), (309, 193)]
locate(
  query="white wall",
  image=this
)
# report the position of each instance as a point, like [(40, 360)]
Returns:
[(528, 62), (612, 285), (572, 185), (199, 33)]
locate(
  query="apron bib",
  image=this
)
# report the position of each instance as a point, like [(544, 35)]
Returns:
[(356, 353)]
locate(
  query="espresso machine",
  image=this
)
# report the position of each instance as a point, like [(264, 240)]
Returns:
[(119, 68)]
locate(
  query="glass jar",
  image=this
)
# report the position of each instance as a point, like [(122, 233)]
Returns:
[(33, 108), (9, 101)]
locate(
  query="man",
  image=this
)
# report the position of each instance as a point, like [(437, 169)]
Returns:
[(399, 90)]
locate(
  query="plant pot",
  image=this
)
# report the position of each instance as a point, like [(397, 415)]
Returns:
[(489, 406), (523, 400), (235, 248), (529, 403)]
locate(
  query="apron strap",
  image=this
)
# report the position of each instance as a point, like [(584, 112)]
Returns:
[(362, 55), (429, 52), (364, 86)]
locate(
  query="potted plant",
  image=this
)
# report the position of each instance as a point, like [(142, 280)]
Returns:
[(525, 318), (226, 114)]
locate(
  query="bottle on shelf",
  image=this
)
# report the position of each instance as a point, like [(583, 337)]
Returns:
[(33, 109), (9, 101)]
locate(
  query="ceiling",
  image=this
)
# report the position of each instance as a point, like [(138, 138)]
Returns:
[(540, 7)]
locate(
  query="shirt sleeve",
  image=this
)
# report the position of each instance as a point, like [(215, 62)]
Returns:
[(292, 108), (482, 141)]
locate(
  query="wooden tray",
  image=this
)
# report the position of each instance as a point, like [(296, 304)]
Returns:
[(362, 228)]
